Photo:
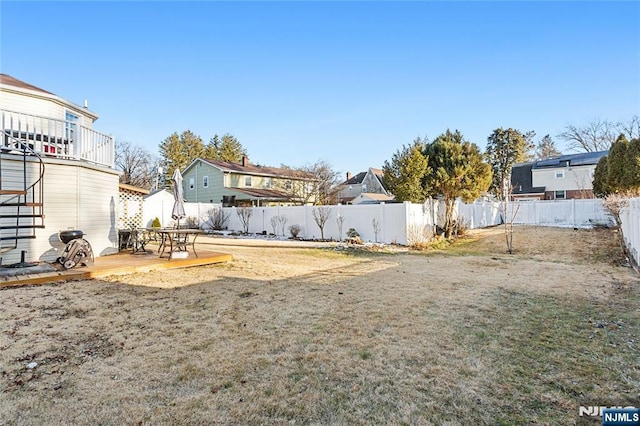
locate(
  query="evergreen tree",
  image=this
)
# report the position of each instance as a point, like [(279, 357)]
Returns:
[(546, 149), (619, 172), (227, 148), (404, 174), (600, 184), (506, 147), (455, 168), (178, 151)]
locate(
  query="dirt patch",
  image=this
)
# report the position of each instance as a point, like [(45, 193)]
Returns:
[(298, 335)]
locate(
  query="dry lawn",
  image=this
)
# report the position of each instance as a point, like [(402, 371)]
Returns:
[(288, 335)]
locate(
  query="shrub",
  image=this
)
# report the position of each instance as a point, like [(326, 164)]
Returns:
[(217, 219), (156, 223), (419, 237), (294, 230), (191, 222), (354, 237)]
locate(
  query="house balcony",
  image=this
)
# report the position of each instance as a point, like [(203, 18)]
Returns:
[(50, 137)]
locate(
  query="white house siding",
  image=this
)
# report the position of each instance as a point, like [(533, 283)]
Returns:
[(42, 105), (76, 196), (576, 178)]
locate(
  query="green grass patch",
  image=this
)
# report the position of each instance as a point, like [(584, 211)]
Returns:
[(550, 355)]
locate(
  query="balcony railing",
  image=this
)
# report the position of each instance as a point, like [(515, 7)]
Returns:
[(50, 137)]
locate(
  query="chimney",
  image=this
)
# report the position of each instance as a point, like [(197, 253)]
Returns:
[(245, 161), (348, 175)]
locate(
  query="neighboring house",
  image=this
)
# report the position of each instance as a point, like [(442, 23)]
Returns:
[(56, 173), (371, 198), (369, 182), (559, 178), (245, 184), (522, 183)]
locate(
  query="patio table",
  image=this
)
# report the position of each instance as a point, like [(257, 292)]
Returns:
[(174, 240)]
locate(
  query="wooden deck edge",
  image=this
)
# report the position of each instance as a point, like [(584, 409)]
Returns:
[(53, 277), (49, 278), (167, 264)]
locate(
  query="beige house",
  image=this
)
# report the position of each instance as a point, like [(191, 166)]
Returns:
[(246, 184), (369, 182), (560, 178), (56, 173)]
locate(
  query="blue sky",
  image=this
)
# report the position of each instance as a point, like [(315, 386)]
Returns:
[(345, 82)]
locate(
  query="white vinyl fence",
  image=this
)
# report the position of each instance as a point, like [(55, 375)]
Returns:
[(569, 213), (631, 228), (403, 222), (162, 207)]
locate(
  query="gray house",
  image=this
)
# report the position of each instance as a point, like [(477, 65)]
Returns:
[(356, 188)]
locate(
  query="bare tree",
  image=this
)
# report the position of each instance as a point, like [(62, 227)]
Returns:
[(630, 129), (312, 183), (320, 216), (244, 214), (282, 220), (138, 166), (216, 219), (376, 228), (274, 224), (598, 135), (509, 213)]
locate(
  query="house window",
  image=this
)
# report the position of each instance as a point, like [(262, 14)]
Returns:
[(70, 125), (192, 183), (559, 174), (287, 184), (561, 195), (364, 187), (267, 182), (205, 181), (247, 181)]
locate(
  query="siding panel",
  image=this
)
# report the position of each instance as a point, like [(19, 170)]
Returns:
[(75, 197)]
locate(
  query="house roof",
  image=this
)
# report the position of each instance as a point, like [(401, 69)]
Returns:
[(357, 179), (581, 159), (521, 179), (372, 198), (163, 191), (12, 81), (7, 80), (269, 194), (377, 196), (133, 188), (253, 169)]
